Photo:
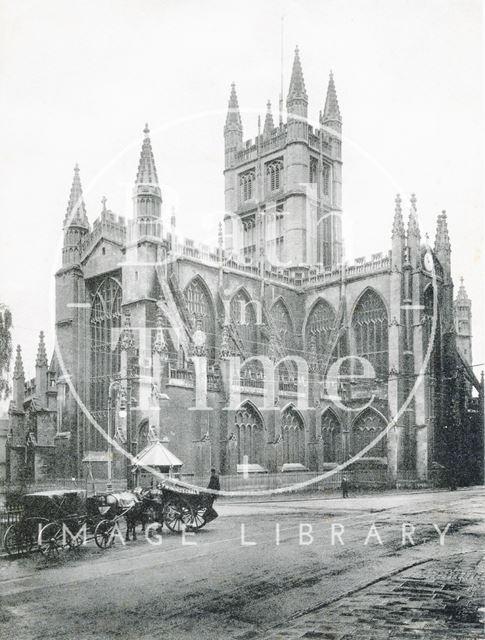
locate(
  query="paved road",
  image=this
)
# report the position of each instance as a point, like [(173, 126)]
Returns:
[(270, 570)]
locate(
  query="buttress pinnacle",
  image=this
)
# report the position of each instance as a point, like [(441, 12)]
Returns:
[(18, 371), (398, 222), (41, 360)]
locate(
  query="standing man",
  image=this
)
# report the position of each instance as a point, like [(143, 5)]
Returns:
[(345, 487), (211, 513)]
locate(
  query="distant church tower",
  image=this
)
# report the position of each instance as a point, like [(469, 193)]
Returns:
[(463, 323), (283, 191)]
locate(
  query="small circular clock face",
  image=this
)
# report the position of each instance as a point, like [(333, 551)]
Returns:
[(428, 261)]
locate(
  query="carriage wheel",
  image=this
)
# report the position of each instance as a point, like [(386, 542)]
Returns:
[(177, 515), (18, 540), (198, 517), (50, 540), (103, 533)]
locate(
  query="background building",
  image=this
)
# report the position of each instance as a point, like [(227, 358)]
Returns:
[(142, 315)]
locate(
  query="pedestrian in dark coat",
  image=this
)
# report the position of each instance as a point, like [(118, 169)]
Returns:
[(345, 487), (214, 483)]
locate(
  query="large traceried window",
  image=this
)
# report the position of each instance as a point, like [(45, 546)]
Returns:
[(200, 308), (250, 435), (246, 185), (318, 332), (105, 324), (274, 174), (370, 332), (293, 436), (365, 428), (282, 321)]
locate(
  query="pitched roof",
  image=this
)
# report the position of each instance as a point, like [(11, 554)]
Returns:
[(156, 455)]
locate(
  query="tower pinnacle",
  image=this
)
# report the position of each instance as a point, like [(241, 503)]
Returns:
[(233, 118), (76, 209), (147, 194), (268, 121), (331, 112), (297, 90)]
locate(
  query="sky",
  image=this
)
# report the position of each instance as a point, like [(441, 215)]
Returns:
[(78, 81)]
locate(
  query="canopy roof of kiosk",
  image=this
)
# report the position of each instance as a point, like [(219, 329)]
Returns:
[(156, 455)]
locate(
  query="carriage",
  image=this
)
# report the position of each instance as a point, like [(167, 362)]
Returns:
[(65, 519), (177, 509), (44, 514)]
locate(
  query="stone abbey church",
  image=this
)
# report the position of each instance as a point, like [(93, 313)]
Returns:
[(229, 356)]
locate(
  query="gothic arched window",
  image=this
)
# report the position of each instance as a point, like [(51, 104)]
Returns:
[(364, 429), (243, 318), (250, 435), (370, 332), (282, 320), (331, 438), (313, 170), (319, 326), (105, 322), (293, 435), (200, 308), (274, 175), (246, 182)]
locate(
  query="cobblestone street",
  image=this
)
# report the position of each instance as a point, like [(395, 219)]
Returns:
[(435, 599), (246, 584)]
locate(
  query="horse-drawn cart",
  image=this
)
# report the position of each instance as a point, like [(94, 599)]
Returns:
[(45, 516), (66, 519)]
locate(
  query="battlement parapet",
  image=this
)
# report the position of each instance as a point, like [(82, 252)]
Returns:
[(106, 226)]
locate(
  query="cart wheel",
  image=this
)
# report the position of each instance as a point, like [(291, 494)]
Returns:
[(198, 517), (18, 540), (103, 533), (50, 540), (177, 515)]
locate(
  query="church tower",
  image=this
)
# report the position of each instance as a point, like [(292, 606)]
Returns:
[(283, 189), (463, 323)]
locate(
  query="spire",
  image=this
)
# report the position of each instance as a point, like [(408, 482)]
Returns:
[(297, 88), (462, 295), (18, 371), (398, 223), (331, 111), (233, 118), (148, 197), (268, 121), (413, 225), (442, 238), (41, 360), (76, 209)]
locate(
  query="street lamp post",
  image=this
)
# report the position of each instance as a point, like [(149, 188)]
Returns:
[(114, 384)]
